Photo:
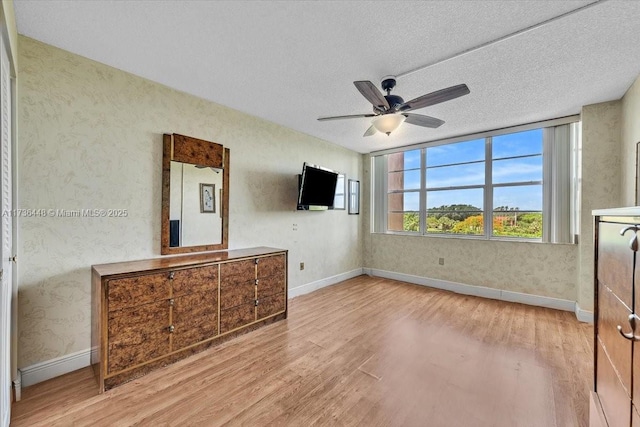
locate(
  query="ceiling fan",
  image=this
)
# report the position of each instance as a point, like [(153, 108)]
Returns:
[(391, 110)]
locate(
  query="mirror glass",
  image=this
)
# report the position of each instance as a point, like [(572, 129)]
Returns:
[(195, 208)]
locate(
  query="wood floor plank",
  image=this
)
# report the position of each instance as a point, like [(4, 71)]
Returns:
[(368, 351)]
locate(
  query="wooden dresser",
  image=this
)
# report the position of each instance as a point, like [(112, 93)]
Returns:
[(149, 313), (616, 401)]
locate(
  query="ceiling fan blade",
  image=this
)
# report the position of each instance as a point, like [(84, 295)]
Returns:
[(420, 120), (436, 97), (351, 116), (372, 93), (370, 131)]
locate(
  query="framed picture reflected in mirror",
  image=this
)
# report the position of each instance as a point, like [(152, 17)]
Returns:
[(354, 197)]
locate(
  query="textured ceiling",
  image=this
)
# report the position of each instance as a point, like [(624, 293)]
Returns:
[(292, 62)]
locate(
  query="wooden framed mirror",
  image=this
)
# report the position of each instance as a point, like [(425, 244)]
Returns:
[(195, 195)]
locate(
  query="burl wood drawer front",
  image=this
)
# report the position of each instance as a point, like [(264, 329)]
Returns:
[(201, 279), (270, 305), (236, 317), (237, 272), (195, 318), (615, 402), (138, 290), (137, 334), (615, 260), (237, 294), (271, 266), (611, 314), (270, 286)]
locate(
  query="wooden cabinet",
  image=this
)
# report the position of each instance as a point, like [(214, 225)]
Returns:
[(617, 336), (150, 313), (252, 290)]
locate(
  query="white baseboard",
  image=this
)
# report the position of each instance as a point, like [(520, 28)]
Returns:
[(484, 292), (584, 315), (328, 281), (55, 367), (17, 386)]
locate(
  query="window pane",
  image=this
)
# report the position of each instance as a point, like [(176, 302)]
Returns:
[(455, 176), (409, 180), (398, 202), (517, 211), (405, 221), (517, 144), (517, 170), (459, 152), (455, 211), (520, 197), (403, 161)]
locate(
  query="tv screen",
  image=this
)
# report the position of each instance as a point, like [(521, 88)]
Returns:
[(317, 186)]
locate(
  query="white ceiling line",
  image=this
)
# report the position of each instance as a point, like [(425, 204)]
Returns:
[(501, 39)]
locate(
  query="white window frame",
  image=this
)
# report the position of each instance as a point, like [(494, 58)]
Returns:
[(560, 172)]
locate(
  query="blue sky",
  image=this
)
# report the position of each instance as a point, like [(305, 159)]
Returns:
[(506, 170)]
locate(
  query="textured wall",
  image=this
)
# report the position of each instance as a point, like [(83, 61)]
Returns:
[(600, 186), (90, 136), (532, 268), (630, 138)]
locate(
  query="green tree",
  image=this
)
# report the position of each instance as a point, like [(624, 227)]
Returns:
[(411, 221)]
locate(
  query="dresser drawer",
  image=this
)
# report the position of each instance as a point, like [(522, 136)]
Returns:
[(271, 266), (270, 305), (611, 313), (237, 294), (615, 260), (237, 272), (615, 403), (271, 286), (138, 290), (137, 335), (233, 318), (195, 319), (190, 280)]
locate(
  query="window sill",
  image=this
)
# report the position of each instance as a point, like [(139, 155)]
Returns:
[(470, 237)]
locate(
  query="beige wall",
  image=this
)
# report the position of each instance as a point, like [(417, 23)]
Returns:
[(600, 186), (630, 135), (91, 137)]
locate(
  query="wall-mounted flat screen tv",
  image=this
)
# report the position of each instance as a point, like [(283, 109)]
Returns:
[(317, 186)]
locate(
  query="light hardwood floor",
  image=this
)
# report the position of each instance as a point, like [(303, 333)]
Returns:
[(367, 351)]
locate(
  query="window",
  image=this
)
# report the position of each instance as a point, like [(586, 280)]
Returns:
[(455, 188), (508, 184), (517, 184), (403, 191)]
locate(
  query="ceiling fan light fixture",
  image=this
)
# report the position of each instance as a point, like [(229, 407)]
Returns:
[(387, 123)]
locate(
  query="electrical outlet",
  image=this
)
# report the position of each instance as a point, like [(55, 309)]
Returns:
[(441, 261), (295, 227), (302, 266)]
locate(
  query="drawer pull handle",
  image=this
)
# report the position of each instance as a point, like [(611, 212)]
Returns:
[(171, 302), (171, 328), (257, 303), (633, 243), (172, 275), (257, 281), (630, 335), (257, 260)]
